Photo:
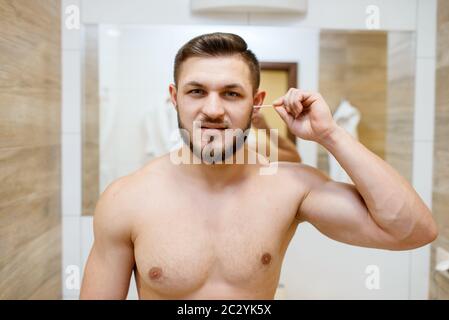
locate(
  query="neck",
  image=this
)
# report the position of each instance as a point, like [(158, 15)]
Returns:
[(220, 174)]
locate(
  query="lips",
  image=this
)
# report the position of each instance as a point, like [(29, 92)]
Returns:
[(213, 126)]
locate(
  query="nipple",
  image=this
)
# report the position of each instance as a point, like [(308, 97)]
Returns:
[(155, 273), (266, 258)]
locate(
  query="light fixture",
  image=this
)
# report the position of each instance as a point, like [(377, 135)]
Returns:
[(260, 6)]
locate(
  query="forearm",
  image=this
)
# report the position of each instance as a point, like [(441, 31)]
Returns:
[(392, 202)]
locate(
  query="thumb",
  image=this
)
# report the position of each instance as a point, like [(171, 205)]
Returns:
[(279, 101)]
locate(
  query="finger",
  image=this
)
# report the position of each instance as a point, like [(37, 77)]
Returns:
[(292, 103), (288, 119), (287, 102), (308, 97), (298, 102), (279, 101)]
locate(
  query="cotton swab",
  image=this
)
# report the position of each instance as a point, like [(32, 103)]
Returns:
[(264, 106)]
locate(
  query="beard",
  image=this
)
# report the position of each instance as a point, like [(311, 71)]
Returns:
[(215, 157)]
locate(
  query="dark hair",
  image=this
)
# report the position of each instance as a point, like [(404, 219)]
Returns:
[(218, 44)]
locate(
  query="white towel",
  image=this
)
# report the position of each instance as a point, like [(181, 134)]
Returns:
[(347, 117), (161, 130)]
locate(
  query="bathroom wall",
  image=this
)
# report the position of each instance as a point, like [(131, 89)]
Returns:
[(90, 121), (439, 284), (30, 110), (400, 101), (321, 14), (375, 72), (400, 15), (353, 67)]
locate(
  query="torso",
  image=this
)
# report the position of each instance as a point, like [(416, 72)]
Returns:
[(194, 243)]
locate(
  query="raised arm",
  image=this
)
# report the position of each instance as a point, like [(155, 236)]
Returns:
[(380, 210), (339, 211), (111, 260)]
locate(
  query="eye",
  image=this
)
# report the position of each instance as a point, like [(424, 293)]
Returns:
[(196, 91), (233, 94)]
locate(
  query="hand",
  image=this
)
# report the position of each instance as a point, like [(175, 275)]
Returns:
[(306, 114), (258, 119)]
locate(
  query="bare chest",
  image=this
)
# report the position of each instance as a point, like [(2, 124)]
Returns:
[(234, 243)]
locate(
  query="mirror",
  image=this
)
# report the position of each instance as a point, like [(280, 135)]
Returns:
[(366, 77)]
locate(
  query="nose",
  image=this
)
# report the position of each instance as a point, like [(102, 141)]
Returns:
[(213, 107)]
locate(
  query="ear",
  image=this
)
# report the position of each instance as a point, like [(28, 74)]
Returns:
[(259, 97), (173, 95)]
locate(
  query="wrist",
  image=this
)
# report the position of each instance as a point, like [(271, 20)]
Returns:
[(332, 137)]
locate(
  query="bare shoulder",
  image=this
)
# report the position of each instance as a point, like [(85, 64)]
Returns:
[(297, 173), (124, 197), (157, 168), (112, 210)]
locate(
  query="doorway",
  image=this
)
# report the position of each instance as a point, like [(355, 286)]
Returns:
[(276, 78)]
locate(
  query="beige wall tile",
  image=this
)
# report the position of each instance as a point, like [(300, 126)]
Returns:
[(440, 202), (353, 67), (30, 110)]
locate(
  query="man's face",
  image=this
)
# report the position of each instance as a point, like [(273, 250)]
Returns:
[(217, 93)]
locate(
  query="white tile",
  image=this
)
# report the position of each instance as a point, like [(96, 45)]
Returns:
[(424, 112), (71, 174), (87, 238), (71, 27), (71, 91), (344, 14), (308, 151), (426, 28), (132, 292), (71, 258), (347, 277), (420, 269), (423, 170), (153, 12)]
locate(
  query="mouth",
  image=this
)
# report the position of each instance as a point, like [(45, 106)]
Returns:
[(213, 126)]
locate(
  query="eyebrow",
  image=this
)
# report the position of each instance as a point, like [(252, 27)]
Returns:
[(228, 86)]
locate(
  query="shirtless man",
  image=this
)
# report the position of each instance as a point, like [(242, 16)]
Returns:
[(220, 231)]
